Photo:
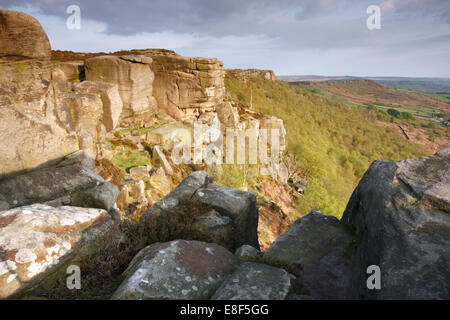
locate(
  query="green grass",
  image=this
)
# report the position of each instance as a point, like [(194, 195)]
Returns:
[(334, 143), (126, 158), (444, 97)]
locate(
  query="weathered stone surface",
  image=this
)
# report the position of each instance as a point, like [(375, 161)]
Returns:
[(38, 240), (182, 193), (159, 159), (87, 114), (315, 249), (228, 116), (132, 196), (70, 181), (212, 227), (176, 270), (109, 94), (248, 253), (34, 122), (22, 37), (74, 71), (160, 181), (239, 205), (400, 211), (140, 173), (106, 169), (184, 86), (134, 78), (167, 136), (245, 75), (255, 281)]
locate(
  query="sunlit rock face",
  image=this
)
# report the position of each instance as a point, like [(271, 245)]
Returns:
[(37, 241), (134, 77), (184, 87), (22, 37)]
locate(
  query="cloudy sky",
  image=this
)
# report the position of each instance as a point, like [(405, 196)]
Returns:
[(292, 37)]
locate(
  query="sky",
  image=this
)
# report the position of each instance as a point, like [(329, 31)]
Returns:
[(291, 37)]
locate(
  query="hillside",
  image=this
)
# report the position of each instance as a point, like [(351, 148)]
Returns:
[(371, 92), (333, 143)]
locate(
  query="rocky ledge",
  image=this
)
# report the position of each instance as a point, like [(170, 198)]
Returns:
[(397, 222)]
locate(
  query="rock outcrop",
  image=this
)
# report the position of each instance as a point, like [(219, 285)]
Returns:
[(22, 37), (245, 75), (233, 220), (236, 204), (256, 281), (315, 250), (400, 212), (70, 182), (185, 87), (134, 77), (39, 241), (177, 270)]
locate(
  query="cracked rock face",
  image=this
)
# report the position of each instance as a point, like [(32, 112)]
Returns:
[(401, 214), (236, 204), (38, 240), (187, 270), (134, 77), (72, 181), (255, 281), (314, 250), (184, 86)]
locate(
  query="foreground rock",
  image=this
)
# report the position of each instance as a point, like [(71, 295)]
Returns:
[(247, 253), (38, 241), (400, 211), (315, 249), (176, 270), (234, 219), (236, 204), (70, 182), (256, 281)]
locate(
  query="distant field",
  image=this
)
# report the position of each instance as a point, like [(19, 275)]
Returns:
[(429, 85), (417, 111), (444, 97), (371, 92)]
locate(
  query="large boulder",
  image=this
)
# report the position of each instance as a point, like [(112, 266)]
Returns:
[(246, 253), (22, 37), (234, 219), (134, 77), (400, 212), (176, 270), (212, 227), (185, 86), (70, 182), (316, 250), (182, 193), (35, 125), (236, 204), (256, 281), (38, 242), (111, 102)]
